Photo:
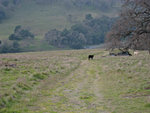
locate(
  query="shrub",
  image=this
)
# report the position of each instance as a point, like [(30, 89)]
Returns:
[(21, 34), (39, 76)]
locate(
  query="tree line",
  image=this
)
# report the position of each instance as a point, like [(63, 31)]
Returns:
[(91, 31), (12, 44)]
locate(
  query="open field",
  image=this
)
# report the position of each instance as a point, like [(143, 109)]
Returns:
[(66, 82)]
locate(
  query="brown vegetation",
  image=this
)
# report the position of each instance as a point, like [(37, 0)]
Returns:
[(132, 30)]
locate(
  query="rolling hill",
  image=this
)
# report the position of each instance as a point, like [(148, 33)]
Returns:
[(40, 16)]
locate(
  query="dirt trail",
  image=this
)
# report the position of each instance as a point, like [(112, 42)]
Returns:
[(78, 93)]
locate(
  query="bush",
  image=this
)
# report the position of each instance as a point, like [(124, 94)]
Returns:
[(39, 76), (2, 15), (21, 34), (23, 86), (10, 47)]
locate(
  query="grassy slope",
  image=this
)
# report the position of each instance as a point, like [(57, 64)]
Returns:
[(66, 82), (41, 18)]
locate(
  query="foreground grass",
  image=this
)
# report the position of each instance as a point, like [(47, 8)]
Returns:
[(66, 82), (125, 83)]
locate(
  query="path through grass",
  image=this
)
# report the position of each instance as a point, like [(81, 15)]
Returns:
[(66, 82)]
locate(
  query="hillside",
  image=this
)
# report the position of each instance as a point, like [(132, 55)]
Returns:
[(40, 16), (67, 82)]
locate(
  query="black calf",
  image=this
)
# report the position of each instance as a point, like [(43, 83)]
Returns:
[(91, 57)]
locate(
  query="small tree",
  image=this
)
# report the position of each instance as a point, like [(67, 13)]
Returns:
[(53, 37), (9, 47), (88, 17), (2, 15), (21, 34)]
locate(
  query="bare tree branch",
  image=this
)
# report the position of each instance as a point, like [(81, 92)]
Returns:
[(133, 28)]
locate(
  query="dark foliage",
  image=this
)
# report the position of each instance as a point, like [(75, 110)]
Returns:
[(5, 3), (21, 34), (88, 17), (132, 30), (10, 47), (90, 32), (6, 8), (2, 15), (121, 53)]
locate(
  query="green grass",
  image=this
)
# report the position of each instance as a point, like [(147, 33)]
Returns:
[(66, 82), (36, 45), (125, 82), (31, 69)]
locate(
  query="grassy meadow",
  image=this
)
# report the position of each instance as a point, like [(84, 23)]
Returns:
[(67, 82)]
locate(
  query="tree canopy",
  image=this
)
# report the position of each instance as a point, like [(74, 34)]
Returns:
[(89, 32), (21, 34), (132, 30)]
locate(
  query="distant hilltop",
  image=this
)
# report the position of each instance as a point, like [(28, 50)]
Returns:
[(7, 6)]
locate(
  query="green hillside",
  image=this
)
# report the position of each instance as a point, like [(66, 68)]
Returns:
[(40, 18), (67, 82)]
